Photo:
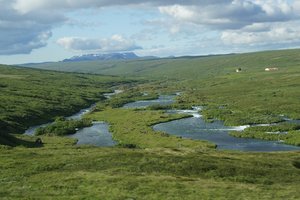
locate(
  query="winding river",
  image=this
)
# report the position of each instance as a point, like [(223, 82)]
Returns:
[(162, 100), (98, 134), (196, 128)]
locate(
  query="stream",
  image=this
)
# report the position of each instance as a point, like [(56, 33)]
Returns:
[(163, 100), (196, 128), (98, 134)]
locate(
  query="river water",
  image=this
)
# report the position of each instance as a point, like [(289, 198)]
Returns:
[(196, 128), (98, 134), (162, 100)]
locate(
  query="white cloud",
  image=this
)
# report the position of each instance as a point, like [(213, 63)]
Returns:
[(179, 12), (25, 6), (235, 14), (21, 33), (280, 33), (296, 6), (241, 22), (112, 44), (17, 43), (257, 27), (27, 24)]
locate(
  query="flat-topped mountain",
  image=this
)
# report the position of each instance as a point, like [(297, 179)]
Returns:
[(110, 56)]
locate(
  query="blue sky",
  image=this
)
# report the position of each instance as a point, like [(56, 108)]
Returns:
[(51, 30)]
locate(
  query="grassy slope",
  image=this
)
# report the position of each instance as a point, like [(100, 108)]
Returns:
[(186, 68), (252, 96), (59, 170), (28, 97)]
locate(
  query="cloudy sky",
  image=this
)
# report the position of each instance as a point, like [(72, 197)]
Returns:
[(51, 30)]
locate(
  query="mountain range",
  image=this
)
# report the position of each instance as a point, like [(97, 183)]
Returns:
[(103, 57)]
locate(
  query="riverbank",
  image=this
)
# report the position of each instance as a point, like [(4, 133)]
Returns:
[(130, 126), (75, 126), (191, 125), (30, 97), (290, 138), (75, 116)]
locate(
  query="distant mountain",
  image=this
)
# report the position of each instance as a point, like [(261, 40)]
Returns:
[(103, 57)]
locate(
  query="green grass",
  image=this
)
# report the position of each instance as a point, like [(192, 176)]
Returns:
[(186, 67), (130, 95), (62, 127), (274, 132), (251, 96), (135, 127), (292, 137), (59, 171), (30, 97)]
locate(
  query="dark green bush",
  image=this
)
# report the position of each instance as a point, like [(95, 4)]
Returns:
[(63, 127)]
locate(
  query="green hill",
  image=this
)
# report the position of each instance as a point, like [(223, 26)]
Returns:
[(185, 67), (29, 96), (250, 96)]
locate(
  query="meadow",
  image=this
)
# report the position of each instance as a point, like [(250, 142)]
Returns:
[(251, 96), (147, 164), (154, 170)]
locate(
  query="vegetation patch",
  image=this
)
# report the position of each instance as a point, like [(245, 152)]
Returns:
[(62, 127), (285, 132), (131, 126), (131, 95), (29, 97)]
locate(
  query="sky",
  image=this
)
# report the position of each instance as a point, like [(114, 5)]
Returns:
[(52, 30)]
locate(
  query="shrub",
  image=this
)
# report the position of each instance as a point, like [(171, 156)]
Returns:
[(61, 127)]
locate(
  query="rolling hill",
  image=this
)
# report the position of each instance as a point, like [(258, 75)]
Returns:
[(250, 96), (184, 67), (31, 96)]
